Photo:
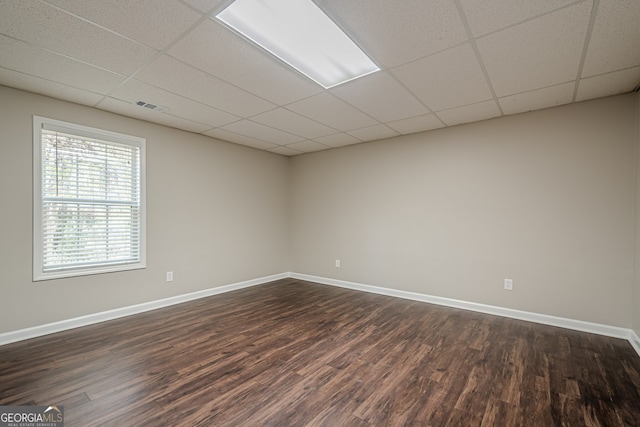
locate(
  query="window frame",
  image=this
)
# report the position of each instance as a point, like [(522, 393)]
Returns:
[(38, 240)]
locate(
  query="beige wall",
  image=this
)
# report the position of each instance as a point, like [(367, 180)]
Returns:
[(544, 198), (636, 294), (217, 214)]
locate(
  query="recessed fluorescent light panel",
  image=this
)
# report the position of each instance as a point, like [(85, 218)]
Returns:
[(299, 33)]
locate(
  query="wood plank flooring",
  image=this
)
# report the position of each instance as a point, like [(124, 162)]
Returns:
[(294, 353)]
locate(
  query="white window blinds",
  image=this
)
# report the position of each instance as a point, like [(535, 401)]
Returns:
[(90, 204)]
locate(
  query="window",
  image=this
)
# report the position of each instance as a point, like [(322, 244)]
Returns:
[(89, 200)]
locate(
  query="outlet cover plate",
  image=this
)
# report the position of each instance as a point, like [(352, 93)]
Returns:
[(508, 284)]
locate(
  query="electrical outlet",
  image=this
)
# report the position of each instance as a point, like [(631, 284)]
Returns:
[(508, 284), (337, 263), (169, 276)]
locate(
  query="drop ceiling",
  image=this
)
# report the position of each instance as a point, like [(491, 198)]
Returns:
[(443, 63)]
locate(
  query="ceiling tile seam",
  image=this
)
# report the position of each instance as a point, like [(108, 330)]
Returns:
[(49, 80), (159, 53), (251, 136), (334, 134), (631, 67), (476, 52), (382, 69), (375, 139), (468, 105), (106, 97), (390, 69), (483, 35), (208, 130), (537, 89), (110, 96), (282, 146), (288, 148), (270, 127), (161, 123), (306, 140), (327, 92), (237, 118), (346, 134), (444, 124), (62, 55), (585, 47), (185, 119), (238, 134), (429, 109), (177, 117), (102, 27), (342, 25), (195, 9), (283, 107), (222, 80), (210, 16), (381, 124), (240, 88)]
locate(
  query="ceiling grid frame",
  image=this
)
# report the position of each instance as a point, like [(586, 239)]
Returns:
[(364, 110)]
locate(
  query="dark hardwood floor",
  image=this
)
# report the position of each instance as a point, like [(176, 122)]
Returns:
[(293, 353)]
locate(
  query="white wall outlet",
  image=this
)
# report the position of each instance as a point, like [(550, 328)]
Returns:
[(169, 276), (508, 284), (337, 263)]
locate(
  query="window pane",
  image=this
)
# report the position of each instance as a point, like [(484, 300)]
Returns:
[(90, 204)]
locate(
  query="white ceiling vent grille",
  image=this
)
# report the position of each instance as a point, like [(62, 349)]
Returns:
[(150, 106)]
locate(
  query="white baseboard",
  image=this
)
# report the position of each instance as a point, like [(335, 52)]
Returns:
[(63, 325), (635, 341), (578, 325)]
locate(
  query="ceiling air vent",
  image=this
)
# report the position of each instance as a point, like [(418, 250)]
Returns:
[(150, 106)]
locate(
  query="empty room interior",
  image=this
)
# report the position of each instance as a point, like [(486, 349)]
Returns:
[(199, 230)]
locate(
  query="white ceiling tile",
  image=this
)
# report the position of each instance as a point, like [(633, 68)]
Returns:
[(23, 57), (130, 110), (51, 28), (381, 96), (470, 113), (490, 15), (215, 82), (446, 80), (615, 37), (608, 84), (394, 33), (155, 23), (285, 151), (48, 88), (333, 112), (134, 90), (372, 133), (538, 99), (203, 5), (293, 123), (218, 51), (308, 146), (262, 132), (184, 80), (542, 52), (338, 140), (416, 124), (239, 139)]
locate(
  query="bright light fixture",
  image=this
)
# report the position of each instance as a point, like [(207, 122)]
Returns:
[(300, 34)]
